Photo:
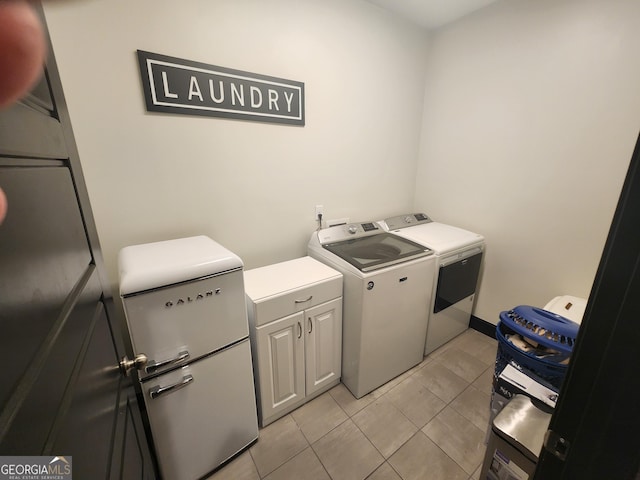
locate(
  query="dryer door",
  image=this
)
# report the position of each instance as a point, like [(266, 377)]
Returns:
[(457, 278)]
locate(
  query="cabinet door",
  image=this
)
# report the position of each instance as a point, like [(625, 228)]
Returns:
[(281, 363), (323, 344)]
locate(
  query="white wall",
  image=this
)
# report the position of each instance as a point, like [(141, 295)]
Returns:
[(531, 113), (251, 186)]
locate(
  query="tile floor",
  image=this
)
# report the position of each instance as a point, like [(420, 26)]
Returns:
[(429, 423)]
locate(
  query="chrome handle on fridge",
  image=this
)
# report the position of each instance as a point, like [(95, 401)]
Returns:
[(152, 366), (155, 392)]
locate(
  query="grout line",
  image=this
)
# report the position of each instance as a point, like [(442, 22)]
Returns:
[(320, 461), (433, 357)]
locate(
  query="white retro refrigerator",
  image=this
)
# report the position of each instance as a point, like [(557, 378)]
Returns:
[(186, 312)]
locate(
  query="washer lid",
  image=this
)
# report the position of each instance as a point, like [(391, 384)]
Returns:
[(153, 265), (372, 252), (440, 237)]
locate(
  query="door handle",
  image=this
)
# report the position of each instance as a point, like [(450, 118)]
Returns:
[(127, 365), (157, 391), (304, 301), (310, 325), (152, 366), (299, 330)]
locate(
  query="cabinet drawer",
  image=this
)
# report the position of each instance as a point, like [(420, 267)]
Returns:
[(268, 309)]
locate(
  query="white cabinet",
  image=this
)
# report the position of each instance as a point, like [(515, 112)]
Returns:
[(295, 318)]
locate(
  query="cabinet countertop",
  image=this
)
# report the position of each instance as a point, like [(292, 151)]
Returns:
[(264, 282)]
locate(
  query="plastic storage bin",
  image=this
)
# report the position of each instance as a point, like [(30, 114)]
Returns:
[(568, 306)]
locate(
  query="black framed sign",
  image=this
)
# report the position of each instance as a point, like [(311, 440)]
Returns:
[(174, 85)]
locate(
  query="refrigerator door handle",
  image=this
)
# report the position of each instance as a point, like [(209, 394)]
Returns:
[(157, 391), (152, 365)]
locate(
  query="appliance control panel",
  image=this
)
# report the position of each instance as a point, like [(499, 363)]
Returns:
[(407, 220), (368, 227), (351, 230)]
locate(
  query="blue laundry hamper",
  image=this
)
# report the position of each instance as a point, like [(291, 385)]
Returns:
[(548, 329)]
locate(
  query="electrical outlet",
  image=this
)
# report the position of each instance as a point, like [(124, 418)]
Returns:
[(319, 211)]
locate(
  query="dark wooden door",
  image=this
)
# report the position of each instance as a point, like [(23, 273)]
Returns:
[(596, 421), (61, 391)]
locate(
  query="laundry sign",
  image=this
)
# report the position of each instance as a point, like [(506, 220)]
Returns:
[(174, 85)]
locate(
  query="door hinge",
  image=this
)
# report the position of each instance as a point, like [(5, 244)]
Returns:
[(556, 444)]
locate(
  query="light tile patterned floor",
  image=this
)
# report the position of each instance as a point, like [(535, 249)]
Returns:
[(428, 424)]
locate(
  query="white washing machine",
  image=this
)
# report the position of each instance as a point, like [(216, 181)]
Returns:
[(387, 282), (458, 260)]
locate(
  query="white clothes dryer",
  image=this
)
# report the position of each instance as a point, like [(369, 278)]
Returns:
[(459, 256), (387, 281)]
